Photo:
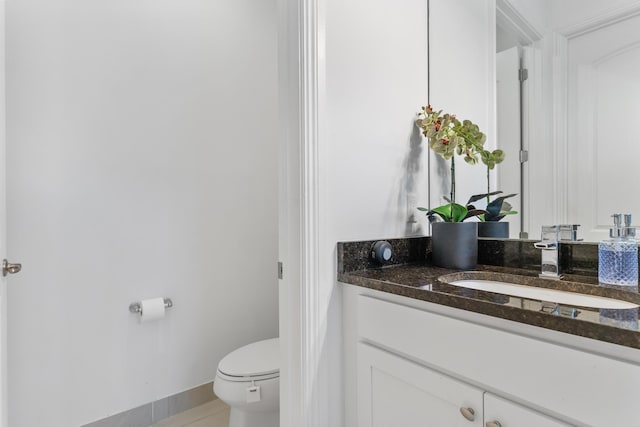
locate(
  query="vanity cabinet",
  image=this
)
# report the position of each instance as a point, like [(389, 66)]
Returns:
[(414, 363), (394, 391), (499, 412)]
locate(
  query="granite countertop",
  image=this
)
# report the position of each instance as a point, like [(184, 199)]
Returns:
[(411, 275)]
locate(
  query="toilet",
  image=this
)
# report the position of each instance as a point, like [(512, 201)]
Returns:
[(248, 380)]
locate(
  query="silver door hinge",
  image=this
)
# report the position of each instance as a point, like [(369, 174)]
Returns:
[(523, 74), (280, 270), (524, 156)]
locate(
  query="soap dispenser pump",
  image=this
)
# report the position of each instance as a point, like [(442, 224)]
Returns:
[(618, 255)]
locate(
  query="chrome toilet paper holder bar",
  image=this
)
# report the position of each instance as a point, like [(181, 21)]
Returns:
[(135, 307)]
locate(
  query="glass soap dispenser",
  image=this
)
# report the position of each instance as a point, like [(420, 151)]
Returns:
[(618, 256)]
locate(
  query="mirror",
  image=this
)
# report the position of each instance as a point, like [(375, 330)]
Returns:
[(579, 106)]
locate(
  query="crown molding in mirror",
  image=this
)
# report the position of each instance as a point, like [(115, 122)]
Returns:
[(510, 18), (603, 19)]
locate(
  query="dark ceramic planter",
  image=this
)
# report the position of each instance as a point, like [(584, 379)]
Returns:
[(455, 244), (493, 229)]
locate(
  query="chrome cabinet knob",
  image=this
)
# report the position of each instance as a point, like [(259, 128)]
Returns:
[(468, 413), (9, 268), (493, 424)]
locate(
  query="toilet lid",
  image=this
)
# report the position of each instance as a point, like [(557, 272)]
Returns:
[(258, 358)]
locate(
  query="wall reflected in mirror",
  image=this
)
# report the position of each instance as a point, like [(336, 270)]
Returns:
[(567, 123)]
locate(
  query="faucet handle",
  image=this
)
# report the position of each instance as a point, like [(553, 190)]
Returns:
[(549, 233), (617, 220)]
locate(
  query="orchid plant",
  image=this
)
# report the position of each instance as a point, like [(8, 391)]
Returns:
[(448, 137), (499, 207)]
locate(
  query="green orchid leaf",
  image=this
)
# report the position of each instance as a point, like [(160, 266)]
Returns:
[(476, 212), (477, 197), (458, 213), (444, 212), (496, 210), (431, 216), (451, 212)]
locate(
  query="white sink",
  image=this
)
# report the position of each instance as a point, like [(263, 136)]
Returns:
[(544, 294)]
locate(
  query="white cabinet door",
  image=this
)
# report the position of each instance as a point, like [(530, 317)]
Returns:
[(504, 413), (393, 391)]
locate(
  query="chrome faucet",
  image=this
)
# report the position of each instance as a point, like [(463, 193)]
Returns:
[(551, 236)]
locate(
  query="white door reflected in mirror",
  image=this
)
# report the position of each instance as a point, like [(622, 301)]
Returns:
[(576, 114)]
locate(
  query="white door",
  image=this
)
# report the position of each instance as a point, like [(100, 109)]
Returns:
[(393, 391), (508, 108), (86, 214), (604, 106)]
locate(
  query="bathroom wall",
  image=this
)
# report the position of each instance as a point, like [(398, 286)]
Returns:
[(372, 160), (463, 89), (142, 162)]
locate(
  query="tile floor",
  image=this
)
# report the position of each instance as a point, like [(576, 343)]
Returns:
[(211, 414)]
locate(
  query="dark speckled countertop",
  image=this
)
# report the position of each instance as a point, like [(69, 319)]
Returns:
[(410, 274)]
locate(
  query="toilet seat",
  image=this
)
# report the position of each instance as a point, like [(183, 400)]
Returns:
[(254, 362), (248, 378)]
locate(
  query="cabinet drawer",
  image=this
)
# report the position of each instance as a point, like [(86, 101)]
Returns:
[(509, 414), (564, 381)]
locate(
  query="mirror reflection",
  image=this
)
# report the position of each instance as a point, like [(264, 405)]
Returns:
[(567, 100)]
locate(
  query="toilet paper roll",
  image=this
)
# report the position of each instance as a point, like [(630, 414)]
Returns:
[(152, 309)]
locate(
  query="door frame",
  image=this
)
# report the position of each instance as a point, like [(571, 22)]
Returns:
[(300, 42), (4, 416), (530, 39)]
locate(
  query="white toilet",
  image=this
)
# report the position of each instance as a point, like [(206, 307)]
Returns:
[(248, 380)]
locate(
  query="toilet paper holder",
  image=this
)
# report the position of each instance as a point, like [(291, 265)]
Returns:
[(135, 307)]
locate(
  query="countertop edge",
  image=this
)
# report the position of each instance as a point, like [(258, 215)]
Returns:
[(577, 327)]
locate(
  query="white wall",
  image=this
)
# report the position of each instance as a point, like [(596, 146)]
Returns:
[(373, 162), (376, 82), (142, 163), (372, 157), (463, 83)]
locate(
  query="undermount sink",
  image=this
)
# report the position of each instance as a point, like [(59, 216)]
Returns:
[(544, 294)]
